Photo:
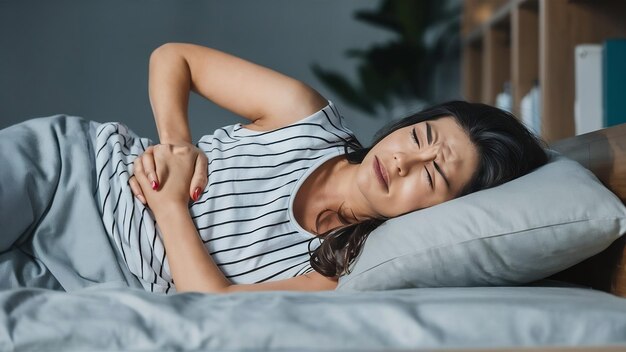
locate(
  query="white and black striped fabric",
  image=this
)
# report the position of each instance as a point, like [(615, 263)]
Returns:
[(244, 216)]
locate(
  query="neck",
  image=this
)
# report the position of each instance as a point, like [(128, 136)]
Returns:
[(333, 191)]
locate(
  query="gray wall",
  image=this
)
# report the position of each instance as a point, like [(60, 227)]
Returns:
[(90, 58)]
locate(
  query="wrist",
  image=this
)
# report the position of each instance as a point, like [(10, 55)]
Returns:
[(170, 209), (171, 136), (174, 140)]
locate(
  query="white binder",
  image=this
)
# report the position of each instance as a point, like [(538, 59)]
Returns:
[(588, 97)]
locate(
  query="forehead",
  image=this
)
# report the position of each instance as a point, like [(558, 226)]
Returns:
[(445, 124), (444, 129)]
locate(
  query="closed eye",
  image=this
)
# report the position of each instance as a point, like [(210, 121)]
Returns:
[(430, 180), (415, 137)]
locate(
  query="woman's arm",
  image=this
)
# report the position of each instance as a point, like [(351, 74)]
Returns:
[(191, 265), (193, 269), (267, 98)]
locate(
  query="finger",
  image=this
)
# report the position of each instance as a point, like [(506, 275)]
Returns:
[(134, 186), (200, 178), (149, 167), (140, 174)]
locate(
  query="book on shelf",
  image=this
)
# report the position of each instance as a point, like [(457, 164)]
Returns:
[(614, 81), (504, 99), (530, 109), (588, 110)]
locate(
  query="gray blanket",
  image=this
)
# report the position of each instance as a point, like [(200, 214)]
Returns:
[(422, 318), (51, 232)]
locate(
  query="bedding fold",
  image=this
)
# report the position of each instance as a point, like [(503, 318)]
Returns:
[(106, 318), (51, 233)]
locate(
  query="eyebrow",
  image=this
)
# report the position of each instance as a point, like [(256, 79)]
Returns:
[(429, 138)]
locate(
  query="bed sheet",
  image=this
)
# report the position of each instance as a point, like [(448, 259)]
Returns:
[(105, 318)]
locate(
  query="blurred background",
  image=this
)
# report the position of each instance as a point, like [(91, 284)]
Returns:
[(378, 60)]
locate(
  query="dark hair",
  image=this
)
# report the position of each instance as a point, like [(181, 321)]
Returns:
[(506, 150)]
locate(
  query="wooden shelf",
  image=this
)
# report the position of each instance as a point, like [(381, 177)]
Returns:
[(524, 50), (524, 41), (496, 61)]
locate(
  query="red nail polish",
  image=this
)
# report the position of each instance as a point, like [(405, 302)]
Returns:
[(155, 185), (196, 194)]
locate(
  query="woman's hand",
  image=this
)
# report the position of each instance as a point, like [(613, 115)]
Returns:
[(169, 173)]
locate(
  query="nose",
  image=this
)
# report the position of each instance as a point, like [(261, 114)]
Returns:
[(405, 161)]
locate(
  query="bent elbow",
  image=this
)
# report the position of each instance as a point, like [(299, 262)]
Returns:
[(163, 49)]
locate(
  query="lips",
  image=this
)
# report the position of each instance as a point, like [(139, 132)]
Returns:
[(381, 173)]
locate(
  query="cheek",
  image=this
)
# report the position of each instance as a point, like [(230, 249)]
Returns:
[(363, 178), (411, 196)]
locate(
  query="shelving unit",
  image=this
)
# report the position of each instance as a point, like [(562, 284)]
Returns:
[(522, 41)]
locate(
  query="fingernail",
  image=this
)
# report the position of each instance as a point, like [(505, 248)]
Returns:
[(196, 194), (155, 185)]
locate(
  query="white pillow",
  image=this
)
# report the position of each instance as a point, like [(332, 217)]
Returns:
[(515, 233)]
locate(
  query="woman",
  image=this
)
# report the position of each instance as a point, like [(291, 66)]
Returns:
[(262, 193)]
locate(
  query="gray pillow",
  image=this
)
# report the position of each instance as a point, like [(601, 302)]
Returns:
[(518, 232)]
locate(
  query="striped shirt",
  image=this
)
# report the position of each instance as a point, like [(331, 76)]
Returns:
[(245, 214)]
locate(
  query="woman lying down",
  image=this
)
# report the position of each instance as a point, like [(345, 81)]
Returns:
[(284, 202)]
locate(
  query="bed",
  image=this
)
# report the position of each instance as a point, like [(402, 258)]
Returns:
[(582, 306)]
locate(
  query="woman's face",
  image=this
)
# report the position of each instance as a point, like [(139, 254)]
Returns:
[(438, 150)]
